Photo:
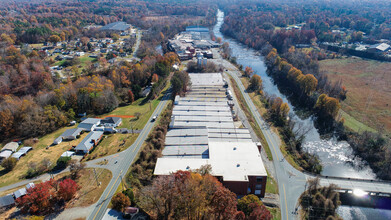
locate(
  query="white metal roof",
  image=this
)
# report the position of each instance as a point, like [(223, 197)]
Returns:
[(67, 154), (25, 149), (234, 161), (209, 118), (18, 155), (186, 150), (207, 124), (187, 132), (192, 140), (5, 153), (206, 79), (203, 108), (201, 113), (12, 146)]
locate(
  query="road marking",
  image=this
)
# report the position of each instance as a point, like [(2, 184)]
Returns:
[(107, 195), (286, 204)]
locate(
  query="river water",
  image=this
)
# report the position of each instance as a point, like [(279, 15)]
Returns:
[(336, 156)]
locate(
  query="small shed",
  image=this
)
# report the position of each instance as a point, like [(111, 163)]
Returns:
[(30, 185), (7, 200), (57, 140), (67, 154), (18, 155), (25, 149), (12, 146), (5, 154), (20, 192)]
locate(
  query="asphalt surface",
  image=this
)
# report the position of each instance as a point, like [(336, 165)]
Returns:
[(122, 162)]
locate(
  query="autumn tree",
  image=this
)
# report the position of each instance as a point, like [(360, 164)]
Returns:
[(54, 39), (184, 194), (39, 199), (155, 78), (328, 105), (245, 201), (320, 202), (67, 189), (131, 96), (120, 202), (248, 72), (255, 83), (259, 212)]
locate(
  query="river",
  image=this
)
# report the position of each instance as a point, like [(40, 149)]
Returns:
[(336, 156)]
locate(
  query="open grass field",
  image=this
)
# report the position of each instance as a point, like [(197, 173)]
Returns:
[(368, 99), (89, 191), (38, 154), (110, 144)]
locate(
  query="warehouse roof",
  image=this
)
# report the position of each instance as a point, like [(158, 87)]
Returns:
[(116, 26), (187, 132), (234, 161), (186, 150), (206, 79), (192, 140), (209, 118)]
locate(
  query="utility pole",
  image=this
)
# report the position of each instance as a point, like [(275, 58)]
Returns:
[(96, 178)]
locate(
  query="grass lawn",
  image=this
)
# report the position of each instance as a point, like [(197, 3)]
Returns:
[(110, 145), (36, 155), (368, 102), (271, 185), (89, 192), (276, 213)]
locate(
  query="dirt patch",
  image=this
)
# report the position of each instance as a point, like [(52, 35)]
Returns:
[(120, 116)]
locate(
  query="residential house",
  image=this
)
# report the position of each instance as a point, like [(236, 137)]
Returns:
[(88, 143), (111, 122), (71, 134), (89, 124)]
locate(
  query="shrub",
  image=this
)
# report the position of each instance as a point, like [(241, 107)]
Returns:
[(9, 163), (120, 201)]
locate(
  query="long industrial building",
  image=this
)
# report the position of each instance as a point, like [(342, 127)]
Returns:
[(202, 131)]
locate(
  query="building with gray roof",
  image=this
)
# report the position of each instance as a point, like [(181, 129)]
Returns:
[(119, 26), (91, 140), (6, 201), (71, 134), (89, 124)]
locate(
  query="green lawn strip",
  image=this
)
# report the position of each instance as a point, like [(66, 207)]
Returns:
[(276, 213), (271, 185), (251, 119), (353, 124)]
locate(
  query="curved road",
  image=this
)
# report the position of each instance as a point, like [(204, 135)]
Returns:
[(125, 160)]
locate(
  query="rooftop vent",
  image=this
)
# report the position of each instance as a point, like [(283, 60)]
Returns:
[(238, 165), (187, 167)]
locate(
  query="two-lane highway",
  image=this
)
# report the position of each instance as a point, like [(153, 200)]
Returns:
[(125, 160)]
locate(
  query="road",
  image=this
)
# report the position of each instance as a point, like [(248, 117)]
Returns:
[(125, 159)]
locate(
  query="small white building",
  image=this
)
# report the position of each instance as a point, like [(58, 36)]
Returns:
[(89, 124)]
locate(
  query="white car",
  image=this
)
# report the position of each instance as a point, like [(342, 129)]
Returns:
[(154, 118)]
